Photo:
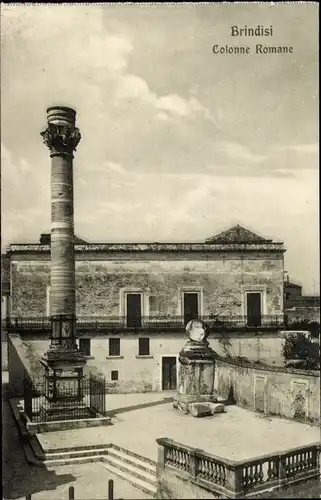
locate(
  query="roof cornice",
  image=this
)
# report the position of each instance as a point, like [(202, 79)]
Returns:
[(155, 247)]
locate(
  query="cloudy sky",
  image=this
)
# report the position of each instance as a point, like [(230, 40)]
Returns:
[(177, 143)]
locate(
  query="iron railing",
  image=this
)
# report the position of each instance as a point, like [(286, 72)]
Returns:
[(90, 404), (148, 323)]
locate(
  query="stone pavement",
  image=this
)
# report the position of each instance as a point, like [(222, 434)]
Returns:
[(139, 419), (90, 482)]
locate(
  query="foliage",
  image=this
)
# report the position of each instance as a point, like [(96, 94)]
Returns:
[(298, 347), (298, 406), (312, 326)]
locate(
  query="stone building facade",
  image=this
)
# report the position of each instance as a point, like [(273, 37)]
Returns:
[(133, 300), (300, 308)]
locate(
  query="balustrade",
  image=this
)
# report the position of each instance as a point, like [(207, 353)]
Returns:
[(259, 473), (300, 462), (211, 470), (177, 458), (242, 477)]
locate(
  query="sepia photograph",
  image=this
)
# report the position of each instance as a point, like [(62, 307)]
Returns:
[(160, 260)]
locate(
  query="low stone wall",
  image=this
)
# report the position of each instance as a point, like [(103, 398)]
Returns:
[(185, 472), (171, 486), (23, 361), (285, 392)]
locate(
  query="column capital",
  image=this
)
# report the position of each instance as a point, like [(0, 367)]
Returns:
[(61, 139)]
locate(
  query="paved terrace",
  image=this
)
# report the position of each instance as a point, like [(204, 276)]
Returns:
[(139, 419)]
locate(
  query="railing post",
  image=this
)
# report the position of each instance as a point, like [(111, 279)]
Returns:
[(161, 456), (71, 493), (234, 477), (110, 489), (193, 464), (282, 468)]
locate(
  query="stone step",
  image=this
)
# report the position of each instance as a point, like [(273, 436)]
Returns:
[(76, 448), (72, 454), (42, 460), (135, 481), (132, 469), (71, 461), (133, 454), (133, 459)]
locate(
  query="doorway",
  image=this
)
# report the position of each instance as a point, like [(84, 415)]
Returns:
[(169, 373), (134, 310), (190, 306), (254, 316)]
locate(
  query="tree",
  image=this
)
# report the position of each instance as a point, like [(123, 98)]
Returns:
[(301, 351), (312, 326)]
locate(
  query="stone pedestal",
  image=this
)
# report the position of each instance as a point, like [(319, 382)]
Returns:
[(197, 368), (63, 385)]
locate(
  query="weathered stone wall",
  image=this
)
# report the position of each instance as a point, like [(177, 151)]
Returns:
[(4, 355), (139, 374), (285, 392), (260, 346), (223, 280), (303, 314), (172, 486), (29, 282), (24, 360)]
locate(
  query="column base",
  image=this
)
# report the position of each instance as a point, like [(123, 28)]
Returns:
[(56, 411)]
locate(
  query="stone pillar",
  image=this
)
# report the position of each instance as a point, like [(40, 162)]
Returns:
[(63, 361), (62, 138), (197, 368)]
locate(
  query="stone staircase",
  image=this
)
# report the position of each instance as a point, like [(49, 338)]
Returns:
[(139, 471)]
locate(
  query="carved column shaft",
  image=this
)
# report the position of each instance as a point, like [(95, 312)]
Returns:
[(62, 138)]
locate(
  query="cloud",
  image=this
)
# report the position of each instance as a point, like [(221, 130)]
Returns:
[(302, 148), (114, 167), (177, 105), (130, 87), (162, 116), (151, 101), (239, 152), (252, 170), (23, 198)]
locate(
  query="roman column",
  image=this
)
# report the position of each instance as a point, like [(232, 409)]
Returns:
[(63, 361), (62, 138)]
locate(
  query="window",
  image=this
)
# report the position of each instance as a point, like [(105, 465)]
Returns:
[(253, 302), (190, 304), (114, 347), (84, 346), (143, 347), (114, 374), (134, 310)]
